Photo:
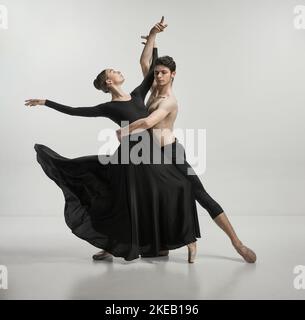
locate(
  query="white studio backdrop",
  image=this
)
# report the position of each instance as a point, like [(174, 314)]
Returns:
[(240, 76)]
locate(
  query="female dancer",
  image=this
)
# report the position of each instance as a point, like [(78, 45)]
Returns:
[(126, 209)]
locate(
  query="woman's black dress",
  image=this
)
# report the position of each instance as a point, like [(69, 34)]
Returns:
[(126, 209)]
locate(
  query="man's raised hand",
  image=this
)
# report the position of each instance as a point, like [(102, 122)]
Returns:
[(158, 27)]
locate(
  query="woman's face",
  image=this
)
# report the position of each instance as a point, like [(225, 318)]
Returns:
[(114, 77)]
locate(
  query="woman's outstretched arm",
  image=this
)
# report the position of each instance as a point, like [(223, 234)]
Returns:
[(95, 111)]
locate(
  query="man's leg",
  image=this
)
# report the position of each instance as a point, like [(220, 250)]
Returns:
[(207, 202)]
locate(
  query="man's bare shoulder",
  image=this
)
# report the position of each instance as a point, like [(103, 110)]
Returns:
[(169, 103)]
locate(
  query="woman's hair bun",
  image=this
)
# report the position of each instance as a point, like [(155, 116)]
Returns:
[(96, 84), (100, 81)]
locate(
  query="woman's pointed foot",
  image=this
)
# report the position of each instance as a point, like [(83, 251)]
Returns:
[(101, 255), (192, 250), (248, 254)]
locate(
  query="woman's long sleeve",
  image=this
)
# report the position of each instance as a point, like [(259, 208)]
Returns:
[(147, 82), (100, 110), (154, 58)]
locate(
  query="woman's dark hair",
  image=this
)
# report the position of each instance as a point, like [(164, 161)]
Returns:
[(100, 82), (166, 61)]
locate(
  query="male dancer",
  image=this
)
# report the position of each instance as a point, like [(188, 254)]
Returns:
[(163, 109)]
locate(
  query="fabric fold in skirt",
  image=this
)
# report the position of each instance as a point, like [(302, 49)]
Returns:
[(125, 209)]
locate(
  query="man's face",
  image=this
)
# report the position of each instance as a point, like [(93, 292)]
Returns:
[(163, 75)]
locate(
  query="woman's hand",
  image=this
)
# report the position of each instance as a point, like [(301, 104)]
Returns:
[(158, 27), (144, 37), (35, 102)]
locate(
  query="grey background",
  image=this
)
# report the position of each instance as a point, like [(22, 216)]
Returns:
[(240, 75)]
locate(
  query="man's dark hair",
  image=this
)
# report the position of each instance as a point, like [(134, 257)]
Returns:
[(166, 61)]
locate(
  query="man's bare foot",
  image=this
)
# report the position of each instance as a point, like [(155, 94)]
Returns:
[(248, 254), (192, 250), (101, 255)]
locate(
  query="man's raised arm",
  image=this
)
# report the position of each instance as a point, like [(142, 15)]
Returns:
[(149, 53)]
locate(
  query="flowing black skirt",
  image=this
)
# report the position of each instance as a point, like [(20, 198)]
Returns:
[(125, 209)]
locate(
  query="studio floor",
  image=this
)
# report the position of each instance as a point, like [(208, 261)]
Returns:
[(46, 261)]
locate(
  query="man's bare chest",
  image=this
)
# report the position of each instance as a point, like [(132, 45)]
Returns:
[(153, 103)]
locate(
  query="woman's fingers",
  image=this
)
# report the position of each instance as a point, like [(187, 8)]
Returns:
[(144, 37), (32, 102)]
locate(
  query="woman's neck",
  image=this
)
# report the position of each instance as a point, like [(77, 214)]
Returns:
[(118, 94)]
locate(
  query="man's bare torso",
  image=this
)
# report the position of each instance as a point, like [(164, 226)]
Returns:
[(163, 130)]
